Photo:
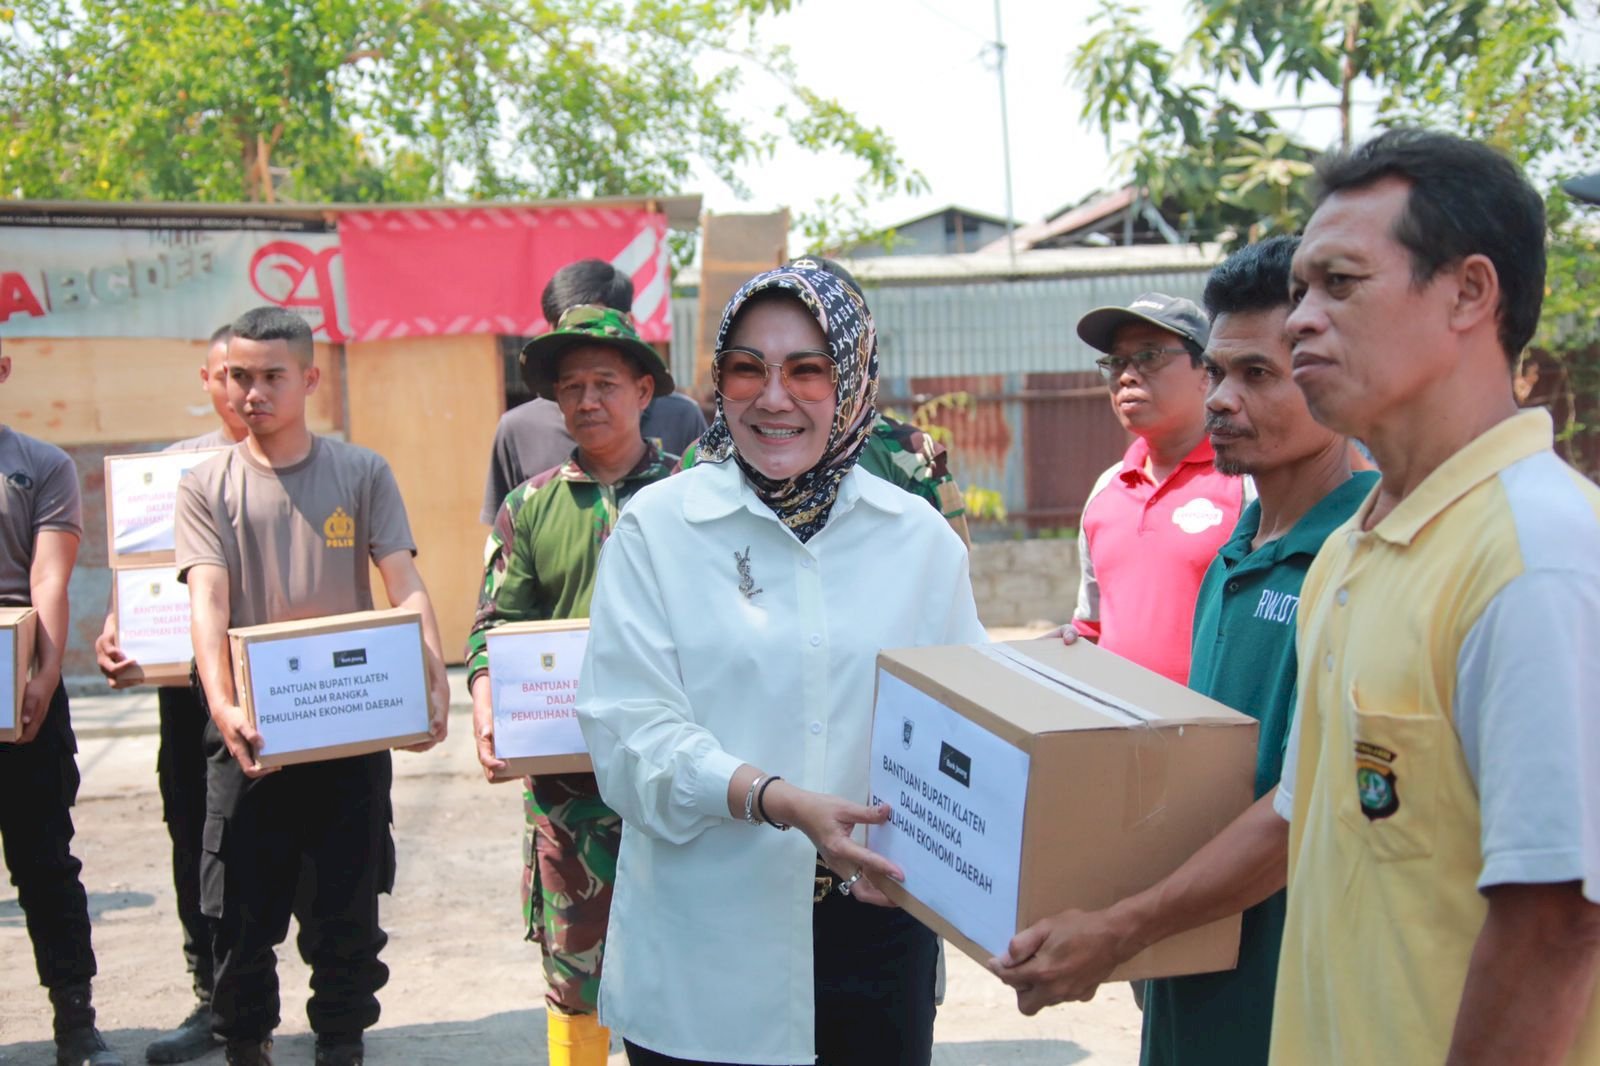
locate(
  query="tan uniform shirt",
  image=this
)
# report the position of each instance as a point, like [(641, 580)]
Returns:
[(296, 541), (38, 491), (217, 438)]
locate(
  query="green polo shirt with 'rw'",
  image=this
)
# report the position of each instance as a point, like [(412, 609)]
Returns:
[(1243, 656)]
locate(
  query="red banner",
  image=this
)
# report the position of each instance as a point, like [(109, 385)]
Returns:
[(481, 269)]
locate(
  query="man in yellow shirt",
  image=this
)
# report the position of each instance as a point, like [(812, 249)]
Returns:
[(1447, 638)]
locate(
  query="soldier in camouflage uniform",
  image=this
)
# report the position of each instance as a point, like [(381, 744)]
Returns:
[(904, 455), (540, 564)]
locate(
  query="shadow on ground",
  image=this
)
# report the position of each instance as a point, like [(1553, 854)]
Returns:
[(11, 916), (514, 1036)]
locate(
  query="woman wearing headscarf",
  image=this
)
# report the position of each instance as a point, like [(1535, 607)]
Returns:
[(727, 700)]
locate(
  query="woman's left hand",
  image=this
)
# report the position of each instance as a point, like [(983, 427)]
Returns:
[(828, 822)]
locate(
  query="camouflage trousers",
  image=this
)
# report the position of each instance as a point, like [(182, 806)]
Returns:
[(569, 859)]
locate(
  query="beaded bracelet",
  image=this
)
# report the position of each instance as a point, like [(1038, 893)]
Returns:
[(761, 804)]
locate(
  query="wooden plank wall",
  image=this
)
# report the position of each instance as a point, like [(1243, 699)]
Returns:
[(106, 389), (429, 405), (733, 249)]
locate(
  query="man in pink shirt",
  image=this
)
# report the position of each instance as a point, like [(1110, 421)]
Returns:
[(1154, 521)]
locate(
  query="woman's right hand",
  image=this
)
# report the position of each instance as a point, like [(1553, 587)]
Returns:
[(828, 822)]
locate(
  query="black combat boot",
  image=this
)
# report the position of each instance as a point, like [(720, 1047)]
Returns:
[(78, 1042), (340, 1049), (249, 1052), (190, 1040)]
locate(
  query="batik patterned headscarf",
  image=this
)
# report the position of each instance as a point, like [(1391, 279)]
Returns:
[(804, 502)]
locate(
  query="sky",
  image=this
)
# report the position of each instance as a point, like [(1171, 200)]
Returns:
[(921, 70)]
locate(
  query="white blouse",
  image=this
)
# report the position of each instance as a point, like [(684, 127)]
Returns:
[(699, 662)]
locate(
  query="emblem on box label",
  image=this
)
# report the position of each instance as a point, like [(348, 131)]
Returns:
[(155, 588), (352, 657), (906, 726), (149, 477), (955, 764), (339, 531), (294, 664), (548, 660)]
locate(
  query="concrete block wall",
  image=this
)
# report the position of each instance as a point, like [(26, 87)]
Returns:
[(1018, 582)]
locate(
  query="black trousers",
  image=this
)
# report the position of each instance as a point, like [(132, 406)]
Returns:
[(181, 773), (38, 786), (875, 970), (312, 840)]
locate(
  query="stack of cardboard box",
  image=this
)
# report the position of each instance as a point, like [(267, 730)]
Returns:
[(151, 605)]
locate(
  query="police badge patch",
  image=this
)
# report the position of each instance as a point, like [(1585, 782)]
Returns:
[(1376, 781)]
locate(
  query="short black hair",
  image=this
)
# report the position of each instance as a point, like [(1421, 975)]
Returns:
[(1255, 278), (276, 324), (1466, 199), (588, 281), (220, 335)]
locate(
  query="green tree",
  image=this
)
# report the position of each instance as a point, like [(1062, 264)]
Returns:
[(1236, 170), (1505, 72), (396, 100)]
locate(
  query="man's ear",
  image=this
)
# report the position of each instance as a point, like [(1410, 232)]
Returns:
[(313, 378), (647, 390), (5, 368), (1477, 292)]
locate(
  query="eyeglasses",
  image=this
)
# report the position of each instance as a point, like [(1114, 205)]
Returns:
[(808, 375), (1145, 361)]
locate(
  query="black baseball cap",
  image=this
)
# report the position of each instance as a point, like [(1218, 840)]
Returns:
[(1586, 188), (1174, 314)]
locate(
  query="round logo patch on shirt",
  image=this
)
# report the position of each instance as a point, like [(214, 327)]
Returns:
[(1197, 516)]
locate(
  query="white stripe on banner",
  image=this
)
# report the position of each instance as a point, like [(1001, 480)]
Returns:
[(635, 254)]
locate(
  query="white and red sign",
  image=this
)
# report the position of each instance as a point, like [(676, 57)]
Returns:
[(481, 269), (385, 274), (182, 284)]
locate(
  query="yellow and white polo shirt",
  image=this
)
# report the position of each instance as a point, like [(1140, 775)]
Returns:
[(1448, 662)]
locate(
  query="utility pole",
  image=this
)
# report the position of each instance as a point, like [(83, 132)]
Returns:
[(1005, 134)]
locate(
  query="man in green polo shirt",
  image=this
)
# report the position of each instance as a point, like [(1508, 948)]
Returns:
[(540, 565), (1244, 656)]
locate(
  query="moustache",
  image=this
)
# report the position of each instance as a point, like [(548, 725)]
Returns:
[(1226, 428)]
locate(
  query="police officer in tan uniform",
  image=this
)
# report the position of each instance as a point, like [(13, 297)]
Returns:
[(283, 527)]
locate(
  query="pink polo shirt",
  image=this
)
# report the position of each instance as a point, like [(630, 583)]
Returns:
[(1143, 550)]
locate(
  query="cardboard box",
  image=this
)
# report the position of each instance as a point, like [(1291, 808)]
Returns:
[(329, 688), (533, 677), (141, 499), (152, 610), (17, 628), (1030, 778)]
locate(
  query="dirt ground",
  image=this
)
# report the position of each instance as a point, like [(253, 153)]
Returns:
[(465, 989)]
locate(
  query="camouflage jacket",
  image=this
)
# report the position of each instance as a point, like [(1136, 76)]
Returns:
[(543, 551)]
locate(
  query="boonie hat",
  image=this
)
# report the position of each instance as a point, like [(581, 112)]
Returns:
[(583, 325), (1586, 188), (1174, 314)]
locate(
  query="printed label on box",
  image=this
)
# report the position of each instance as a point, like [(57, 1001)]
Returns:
[(535, 678), (959, 795), (153, 615), (327, 689), (8, 682), (143, 496)]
